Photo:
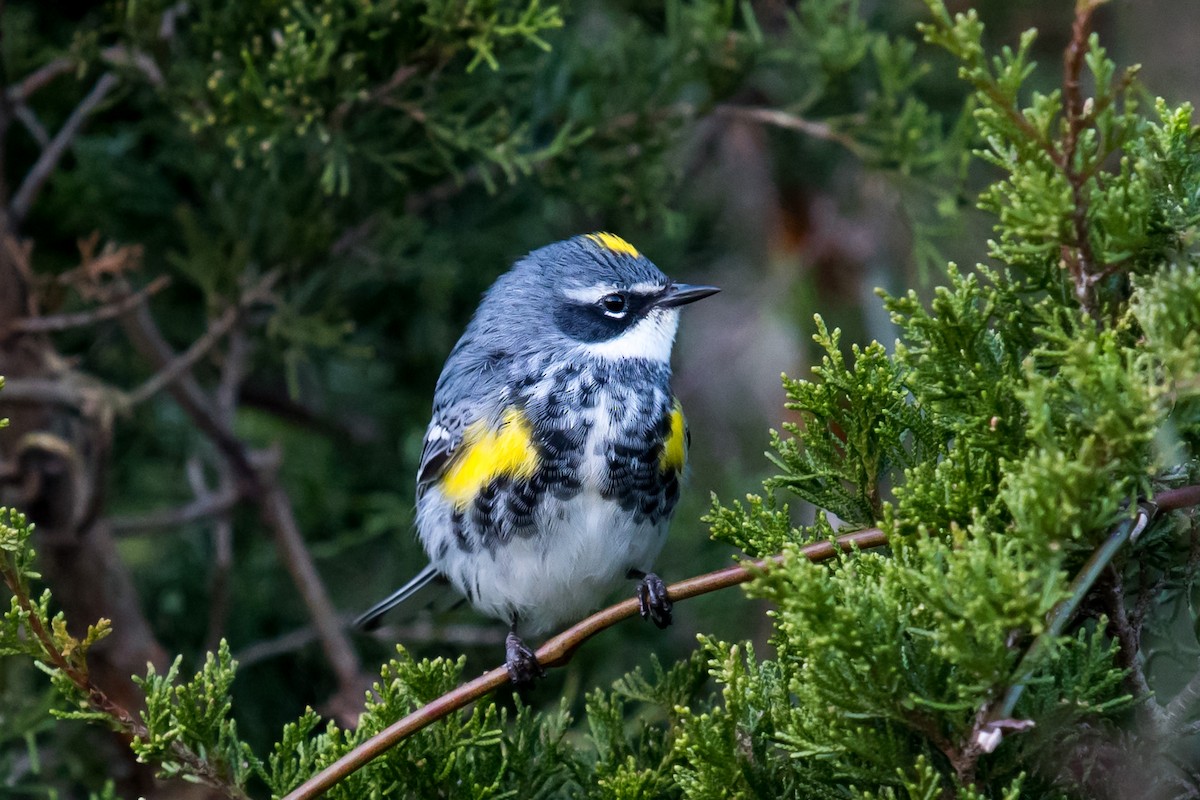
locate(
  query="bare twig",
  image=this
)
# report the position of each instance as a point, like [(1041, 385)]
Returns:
[(398, 78), (32, 124), (79, 319), (121, 56), (1080, 260), (1129, 639), (47, 391), (781, 119), (31, 186), (201, 347), (258, 483), (277, 511), (208, 506), (198, 767), (422, 631), (21, 91), (558, 651)]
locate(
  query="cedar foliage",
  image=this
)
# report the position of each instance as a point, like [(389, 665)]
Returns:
[(1025, 409)]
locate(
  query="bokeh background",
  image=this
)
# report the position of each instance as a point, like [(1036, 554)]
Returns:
[(374, 161)]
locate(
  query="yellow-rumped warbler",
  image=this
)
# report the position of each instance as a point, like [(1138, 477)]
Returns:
[(553, 461)]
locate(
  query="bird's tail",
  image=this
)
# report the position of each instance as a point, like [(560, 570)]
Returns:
[(369, 619)]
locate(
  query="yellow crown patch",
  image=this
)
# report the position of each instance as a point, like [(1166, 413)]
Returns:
[(614, 243)]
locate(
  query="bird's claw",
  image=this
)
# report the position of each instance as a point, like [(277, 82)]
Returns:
[(653, 602), (521, 663)]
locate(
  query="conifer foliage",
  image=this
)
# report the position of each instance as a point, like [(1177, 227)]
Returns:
[(1029, 444)]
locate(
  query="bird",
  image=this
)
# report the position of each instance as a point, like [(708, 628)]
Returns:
[(555, 454)]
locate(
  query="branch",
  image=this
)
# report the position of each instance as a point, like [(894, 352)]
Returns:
[(781, 119), (21, 91), (217, 329), (558, 651), (987, 734), (256, 482), (48, 160), (207, 506), (55, 658), (79, 319), (1082, 262)]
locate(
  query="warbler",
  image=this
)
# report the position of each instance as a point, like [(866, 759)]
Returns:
[(553, 462)]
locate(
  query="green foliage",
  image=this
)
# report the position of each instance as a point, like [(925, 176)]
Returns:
[(193, 717), (1026, 408), (858, 426)]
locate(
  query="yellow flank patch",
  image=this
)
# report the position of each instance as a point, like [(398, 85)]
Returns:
[(674, 453), (486, 454), (614, 243)]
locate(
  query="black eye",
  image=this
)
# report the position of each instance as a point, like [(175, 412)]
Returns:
[(613, 303)]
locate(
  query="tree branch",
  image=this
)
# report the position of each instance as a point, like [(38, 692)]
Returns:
[(558, 651), (207, 506), (22, 90), (259, 483), (79, 319), (217, 329), (55, 658), (31, 186), (781, 119), (988, 732)]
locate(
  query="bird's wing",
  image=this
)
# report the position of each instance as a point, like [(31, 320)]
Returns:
[(442, 438), (369, 619), (473, 386)]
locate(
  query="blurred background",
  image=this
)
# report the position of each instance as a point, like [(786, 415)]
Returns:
[(240, 239)]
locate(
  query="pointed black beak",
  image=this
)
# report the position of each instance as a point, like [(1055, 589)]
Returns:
[(680, 294)]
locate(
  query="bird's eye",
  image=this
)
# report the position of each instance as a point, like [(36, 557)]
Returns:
[(614, 304)]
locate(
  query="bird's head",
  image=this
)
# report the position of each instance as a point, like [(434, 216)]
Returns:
[(593, 294)]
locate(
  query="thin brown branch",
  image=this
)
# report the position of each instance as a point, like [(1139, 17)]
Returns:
[(217, 329), (120, 56), (1079, 258), (379, 93), (781, 119), (558, 651), (25, 115), (208, 506), (278, 512), (23, 89), (414, 633), (197, 767), (47, 391), (31, 186), (80, 319), (258, 483), (1129, 640)]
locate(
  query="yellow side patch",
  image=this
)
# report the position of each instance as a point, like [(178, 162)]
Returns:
[(614, 243), (674, 453), (486, 454)]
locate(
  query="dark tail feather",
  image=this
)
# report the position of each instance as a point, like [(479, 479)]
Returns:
[(369, 619)]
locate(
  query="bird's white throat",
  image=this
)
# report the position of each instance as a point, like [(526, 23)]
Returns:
[(651, 338)]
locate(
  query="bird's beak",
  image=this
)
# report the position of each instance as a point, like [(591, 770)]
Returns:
[(680, 294)]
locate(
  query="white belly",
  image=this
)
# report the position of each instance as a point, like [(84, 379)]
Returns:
[(585, 550)]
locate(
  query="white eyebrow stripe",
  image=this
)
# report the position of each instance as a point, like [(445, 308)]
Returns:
[(592, 294)]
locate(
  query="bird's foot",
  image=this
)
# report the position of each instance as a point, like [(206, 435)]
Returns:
[(521, 663), (653, 601)]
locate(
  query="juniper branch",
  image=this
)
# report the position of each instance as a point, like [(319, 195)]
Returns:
[(77, 674), (558, 651)]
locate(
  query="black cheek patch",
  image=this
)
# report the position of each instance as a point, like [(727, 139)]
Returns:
[(588, 324)]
